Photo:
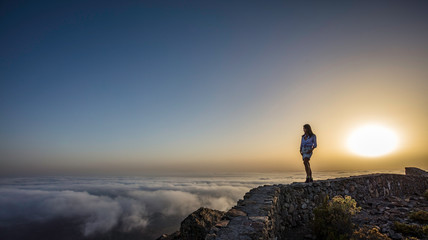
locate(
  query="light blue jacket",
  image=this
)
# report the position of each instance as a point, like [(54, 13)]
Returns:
[(310, 142)]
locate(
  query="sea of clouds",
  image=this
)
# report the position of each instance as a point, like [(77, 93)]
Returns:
[(127, 203)]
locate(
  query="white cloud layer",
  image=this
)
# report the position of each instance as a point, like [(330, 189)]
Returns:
[(125, 202), (105, 203)]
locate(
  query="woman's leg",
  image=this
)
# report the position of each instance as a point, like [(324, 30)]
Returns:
[(307, 167)]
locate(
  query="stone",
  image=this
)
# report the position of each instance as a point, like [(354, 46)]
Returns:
[(396, 236), (173, 236), (234, 213), (222, 223), (412, 171), (268, 212), (198, 224), (291, 208)]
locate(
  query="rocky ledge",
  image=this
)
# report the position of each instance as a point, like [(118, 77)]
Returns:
[(285, 211), (196, 225)]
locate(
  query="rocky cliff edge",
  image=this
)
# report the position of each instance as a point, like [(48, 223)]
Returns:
[(284, 211)]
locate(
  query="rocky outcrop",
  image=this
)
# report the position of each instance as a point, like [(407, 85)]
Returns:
[(281, 211), (196, 225), (412, 171), (384, 211), (199, 223), (172, 236)]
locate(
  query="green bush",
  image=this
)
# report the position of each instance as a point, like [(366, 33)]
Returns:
[(411, 229), (332, 219), (420, 216), (369, 233)]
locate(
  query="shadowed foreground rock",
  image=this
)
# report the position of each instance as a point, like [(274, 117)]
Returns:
[(274, 212), (412, 171), (196, 225)]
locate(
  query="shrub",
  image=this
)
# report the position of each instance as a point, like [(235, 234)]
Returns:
[(411, 229), (420, 216), (369, 233), (332, 219)]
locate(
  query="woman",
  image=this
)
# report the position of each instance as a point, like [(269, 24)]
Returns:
[(307, 145)]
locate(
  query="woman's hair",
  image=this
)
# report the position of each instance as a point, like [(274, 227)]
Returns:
[(308, 130)]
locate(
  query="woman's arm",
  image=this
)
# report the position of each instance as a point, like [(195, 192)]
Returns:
[(314, 142)]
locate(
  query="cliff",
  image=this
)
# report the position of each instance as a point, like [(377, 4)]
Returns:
[(284, 211)]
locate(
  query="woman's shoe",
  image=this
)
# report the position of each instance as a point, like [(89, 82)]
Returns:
[(311, 180), (307, 180)]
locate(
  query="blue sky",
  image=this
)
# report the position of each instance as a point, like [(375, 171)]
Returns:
[(143, 82)]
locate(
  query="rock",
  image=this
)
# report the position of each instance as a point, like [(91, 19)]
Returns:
[(199, 223), (396, 236), (309, 236), (291, 208), (234, 213), (272, 211), (222, 223), (173, 236), (412, 171)]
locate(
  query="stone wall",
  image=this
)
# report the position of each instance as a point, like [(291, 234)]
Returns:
[(270, 211)]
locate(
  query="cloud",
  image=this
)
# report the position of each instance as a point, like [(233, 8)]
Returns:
[(151, 205), (101, 213), (110, 203), (168, 202)]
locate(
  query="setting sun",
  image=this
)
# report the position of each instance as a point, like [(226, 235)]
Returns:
[(372, 141)]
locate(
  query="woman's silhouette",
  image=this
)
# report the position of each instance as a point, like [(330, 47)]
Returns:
[(307, 145)]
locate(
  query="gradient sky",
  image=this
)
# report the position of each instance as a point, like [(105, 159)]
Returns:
[(141, 87)]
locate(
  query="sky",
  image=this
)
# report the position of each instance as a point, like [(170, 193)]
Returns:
[(148, 87)]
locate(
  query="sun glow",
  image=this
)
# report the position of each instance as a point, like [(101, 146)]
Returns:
[(372, 141)]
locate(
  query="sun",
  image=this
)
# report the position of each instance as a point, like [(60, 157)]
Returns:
[(372, 141)]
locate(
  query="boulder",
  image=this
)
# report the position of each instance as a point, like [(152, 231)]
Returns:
[(198, 224), (172, 236), (412, 171)]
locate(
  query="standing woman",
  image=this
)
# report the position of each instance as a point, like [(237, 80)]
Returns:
[(307, 145)]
